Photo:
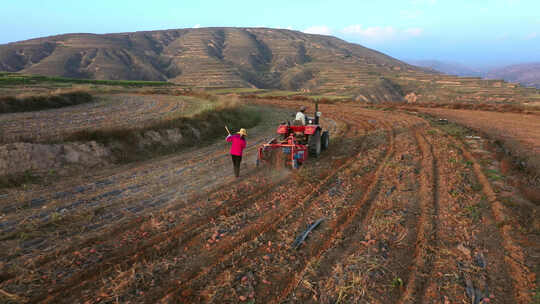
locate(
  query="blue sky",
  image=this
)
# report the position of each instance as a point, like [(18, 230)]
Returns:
[(474, 32)]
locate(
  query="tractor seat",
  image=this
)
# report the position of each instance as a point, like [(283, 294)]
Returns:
[(297, 122)]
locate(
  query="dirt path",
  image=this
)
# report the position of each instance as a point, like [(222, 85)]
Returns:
[(408, 216)]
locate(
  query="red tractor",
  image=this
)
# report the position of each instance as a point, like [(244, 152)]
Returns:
[(296, 143)]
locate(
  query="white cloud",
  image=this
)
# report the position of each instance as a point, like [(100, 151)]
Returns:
[(414, 31), (318, 29), (197, 26), (377, 34), (531, 36)]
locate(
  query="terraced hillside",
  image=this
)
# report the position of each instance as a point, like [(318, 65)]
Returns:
[(210, 57), (247, 58)]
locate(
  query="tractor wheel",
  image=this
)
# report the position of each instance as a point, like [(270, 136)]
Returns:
[(325, 140), (315, 144)]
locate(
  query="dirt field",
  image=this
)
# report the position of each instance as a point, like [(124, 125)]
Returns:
[(521, 127), (409, 214)]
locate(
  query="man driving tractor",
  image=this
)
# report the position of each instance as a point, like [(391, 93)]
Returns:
[(301, 116)]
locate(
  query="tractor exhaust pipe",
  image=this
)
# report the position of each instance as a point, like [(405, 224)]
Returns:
[(316, 112)]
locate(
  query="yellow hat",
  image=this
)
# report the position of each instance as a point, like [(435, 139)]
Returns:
[(242, 132)]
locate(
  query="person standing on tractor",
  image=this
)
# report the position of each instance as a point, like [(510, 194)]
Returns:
[(301, 116), (238, 141)]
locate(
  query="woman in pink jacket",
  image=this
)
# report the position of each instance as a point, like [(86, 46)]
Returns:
[(238, 141)]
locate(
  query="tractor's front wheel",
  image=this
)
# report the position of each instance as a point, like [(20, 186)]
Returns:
[(315, 144)]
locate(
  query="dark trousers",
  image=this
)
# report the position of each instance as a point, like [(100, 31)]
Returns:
[(236, 160)]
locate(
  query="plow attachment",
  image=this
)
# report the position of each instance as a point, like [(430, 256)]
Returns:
[(287, 152)]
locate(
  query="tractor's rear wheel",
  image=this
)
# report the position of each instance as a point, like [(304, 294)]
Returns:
[(315, 144), (325, 140)]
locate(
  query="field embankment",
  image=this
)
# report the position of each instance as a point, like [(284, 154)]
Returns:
[(126, 131), (43, 102), (172, 134)]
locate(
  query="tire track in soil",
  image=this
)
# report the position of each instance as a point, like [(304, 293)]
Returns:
[(159, 240), (359, 235), (466, 249), (523, 278), (358, 211), (427, 226)]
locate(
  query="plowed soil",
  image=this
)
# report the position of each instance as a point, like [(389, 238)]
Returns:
[(409, 214), (111, 112)]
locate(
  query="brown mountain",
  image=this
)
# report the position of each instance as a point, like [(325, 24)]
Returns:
[(221, 57), (527, 74), (248, 57)]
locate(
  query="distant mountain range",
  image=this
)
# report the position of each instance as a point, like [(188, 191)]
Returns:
[(446, 67), (527, 74)]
